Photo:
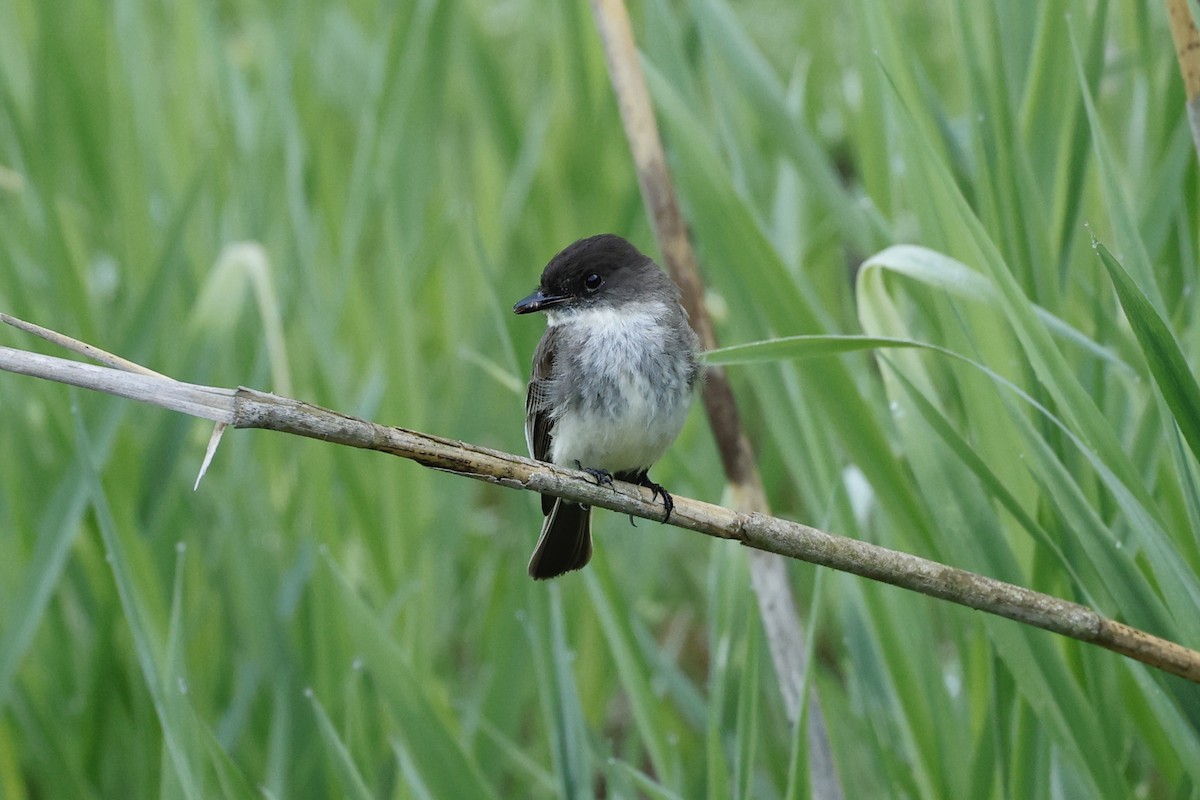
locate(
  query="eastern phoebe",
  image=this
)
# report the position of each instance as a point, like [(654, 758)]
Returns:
[(612, 381)]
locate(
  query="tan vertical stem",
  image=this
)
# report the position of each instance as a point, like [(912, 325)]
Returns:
[(1187, 51)]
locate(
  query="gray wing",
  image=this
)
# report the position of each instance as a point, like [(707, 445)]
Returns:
[(537, 412)]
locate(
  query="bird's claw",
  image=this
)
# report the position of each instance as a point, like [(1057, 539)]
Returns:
[(657, 491), (605, 478), (602, 476)]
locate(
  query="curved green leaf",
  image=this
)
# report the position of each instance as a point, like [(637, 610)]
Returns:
[(800, 347), (1170, 369)]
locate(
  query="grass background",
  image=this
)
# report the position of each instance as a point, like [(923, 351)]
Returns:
[(342, 201)]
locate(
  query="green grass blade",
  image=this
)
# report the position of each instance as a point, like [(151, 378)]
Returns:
[(1120, 215), (794, 348), (449, 771), (1170, 369), (140, 615), (352, 783), (619, 636)]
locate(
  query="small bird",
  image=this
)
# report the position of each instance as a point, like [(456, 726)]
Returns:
[(612, 381)]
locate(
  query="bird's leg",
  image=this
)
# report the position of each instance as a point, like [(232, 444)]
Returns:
[(602, 476), (643, 479)]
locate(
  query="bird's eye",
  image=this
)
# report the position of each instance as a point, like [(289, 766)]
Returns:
[(592, 282)]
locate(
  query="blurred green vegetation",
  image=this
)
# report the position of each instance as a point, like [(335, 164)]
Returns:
[(342, 201)]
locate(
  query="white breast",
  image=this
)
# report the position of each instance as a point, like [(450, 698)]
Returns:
[(628, 421)]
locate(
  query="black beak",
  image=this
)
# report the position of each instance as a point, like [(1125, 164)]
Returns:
[(539, 302)]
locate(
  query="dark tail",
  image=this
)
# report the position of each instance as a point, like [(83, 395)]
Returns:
[(565, 543)]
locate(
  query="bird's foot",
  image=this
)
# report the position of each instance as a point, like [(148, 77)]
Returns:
[(602, 476), (658, 491)]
